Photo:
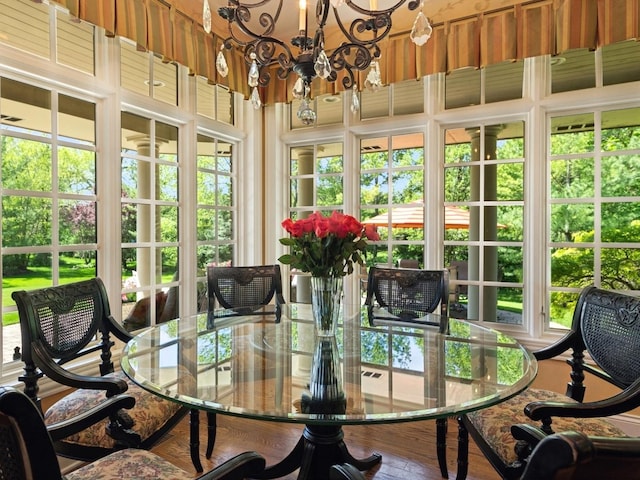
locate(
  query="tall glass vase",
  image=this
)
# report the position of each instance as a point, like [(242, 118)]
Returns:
[(326, 298), (326, 392)]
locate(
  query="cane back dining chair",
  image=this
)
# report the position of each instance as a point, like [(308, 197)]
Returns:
[(234, 291), (27, 452), (576, 456), (72, 324), (410, 295), (244, 290), (606, 327)]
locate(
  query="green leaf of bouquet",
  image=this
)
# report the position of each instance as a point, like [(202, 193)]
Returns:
[(286, 259)]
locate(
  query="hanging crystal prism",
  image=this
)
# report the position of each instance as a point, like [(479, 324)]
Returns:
[(421, 31), (337, 3), (355, 102), (306, 115), (373, 81), (322, 65), (254, 73), (298, 88), (255, 98), (221, 63), (206, 16)]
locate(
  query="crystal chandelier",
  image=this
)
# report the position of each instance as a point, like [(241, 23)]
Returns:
[(305, 52)]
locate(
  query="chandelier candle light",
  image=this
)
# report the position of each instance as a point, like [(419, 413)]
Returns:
[(304, 53), (326, 247)]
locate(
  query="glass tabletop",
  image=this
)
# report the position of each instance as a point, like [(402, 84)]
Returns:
[(259, 367)]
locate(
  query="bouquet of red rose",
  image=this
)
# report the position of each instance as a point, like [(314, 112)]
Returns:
[(326, 246)]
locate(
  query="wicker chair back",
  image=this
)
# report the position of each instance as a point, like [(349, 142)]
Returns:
[(407, 294)]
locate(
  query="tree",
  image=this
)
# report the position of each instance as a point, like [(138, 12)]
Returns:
[(26, 215)]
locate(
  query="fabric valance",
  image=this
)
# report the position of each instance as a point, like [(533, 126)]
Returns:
[(524, 30)]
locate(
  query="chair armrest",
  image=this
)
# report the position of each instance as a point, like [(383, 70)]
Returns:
[(581, 456), (118, 330), (242, 466), (624, 401), (621, 447), (527, 437), (562, 345), (111, 385), (110, 406), (528, 433)]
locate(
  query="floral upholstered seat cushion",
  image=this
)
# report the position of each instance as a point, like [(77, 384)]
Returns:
[(149, 414), (494, 423), (130, 464)]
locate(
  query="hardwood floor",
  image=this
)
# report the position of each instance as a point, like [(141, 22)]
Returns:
[(407, 449)]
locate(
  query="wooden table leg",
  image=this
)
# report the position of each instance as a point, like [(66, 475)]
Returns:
[(319, 448), (194, 441)]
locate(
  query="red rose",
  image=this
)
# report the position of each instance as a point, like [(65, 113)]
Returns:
[(294, 228), (309, 251), (322, 226), (339, 225), (371, 232)]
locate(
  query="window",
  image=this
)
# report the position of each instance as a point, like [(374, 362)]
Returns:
[(581, 68), (216, 237), (494, 83), (594, 196), (56, 138), (150, 210), (214, 101), (316, 184), (574, 70), (484, 221), (328, 110), (74, 43), (146, 74), (26, 25), (392, 196), (402, 98), (48, 162)]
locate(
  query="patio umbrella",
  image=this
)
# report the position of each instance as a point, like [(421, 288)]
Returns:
[(412, 216)]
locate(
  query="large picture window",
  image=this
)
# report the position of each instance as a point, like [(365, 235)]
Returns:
[(150, 218), (392, 197), (216, 236), (594, 196), (484, 202), (48, 166), (316, 184)]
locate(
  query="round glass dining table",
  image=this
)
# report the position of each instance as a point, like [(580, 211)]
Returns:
[(277, 369)]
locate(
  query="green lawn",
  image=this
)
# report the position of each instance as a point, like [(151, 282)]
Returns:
[(510, 306), (73, 270)]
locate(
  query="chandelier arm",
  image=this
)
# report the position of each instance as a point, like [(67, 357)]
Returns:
[(379, 26), (413, 4), (322, 13), (241, 15), (265, 49), (358, 51), (339, 60), (286, 64)]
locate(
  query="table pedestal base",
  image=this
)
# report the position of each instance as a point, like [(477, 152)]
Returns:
[(318, 449)]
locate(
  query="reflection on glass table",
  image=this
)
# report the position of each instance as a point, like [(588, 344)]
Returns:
[(256, 368)]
